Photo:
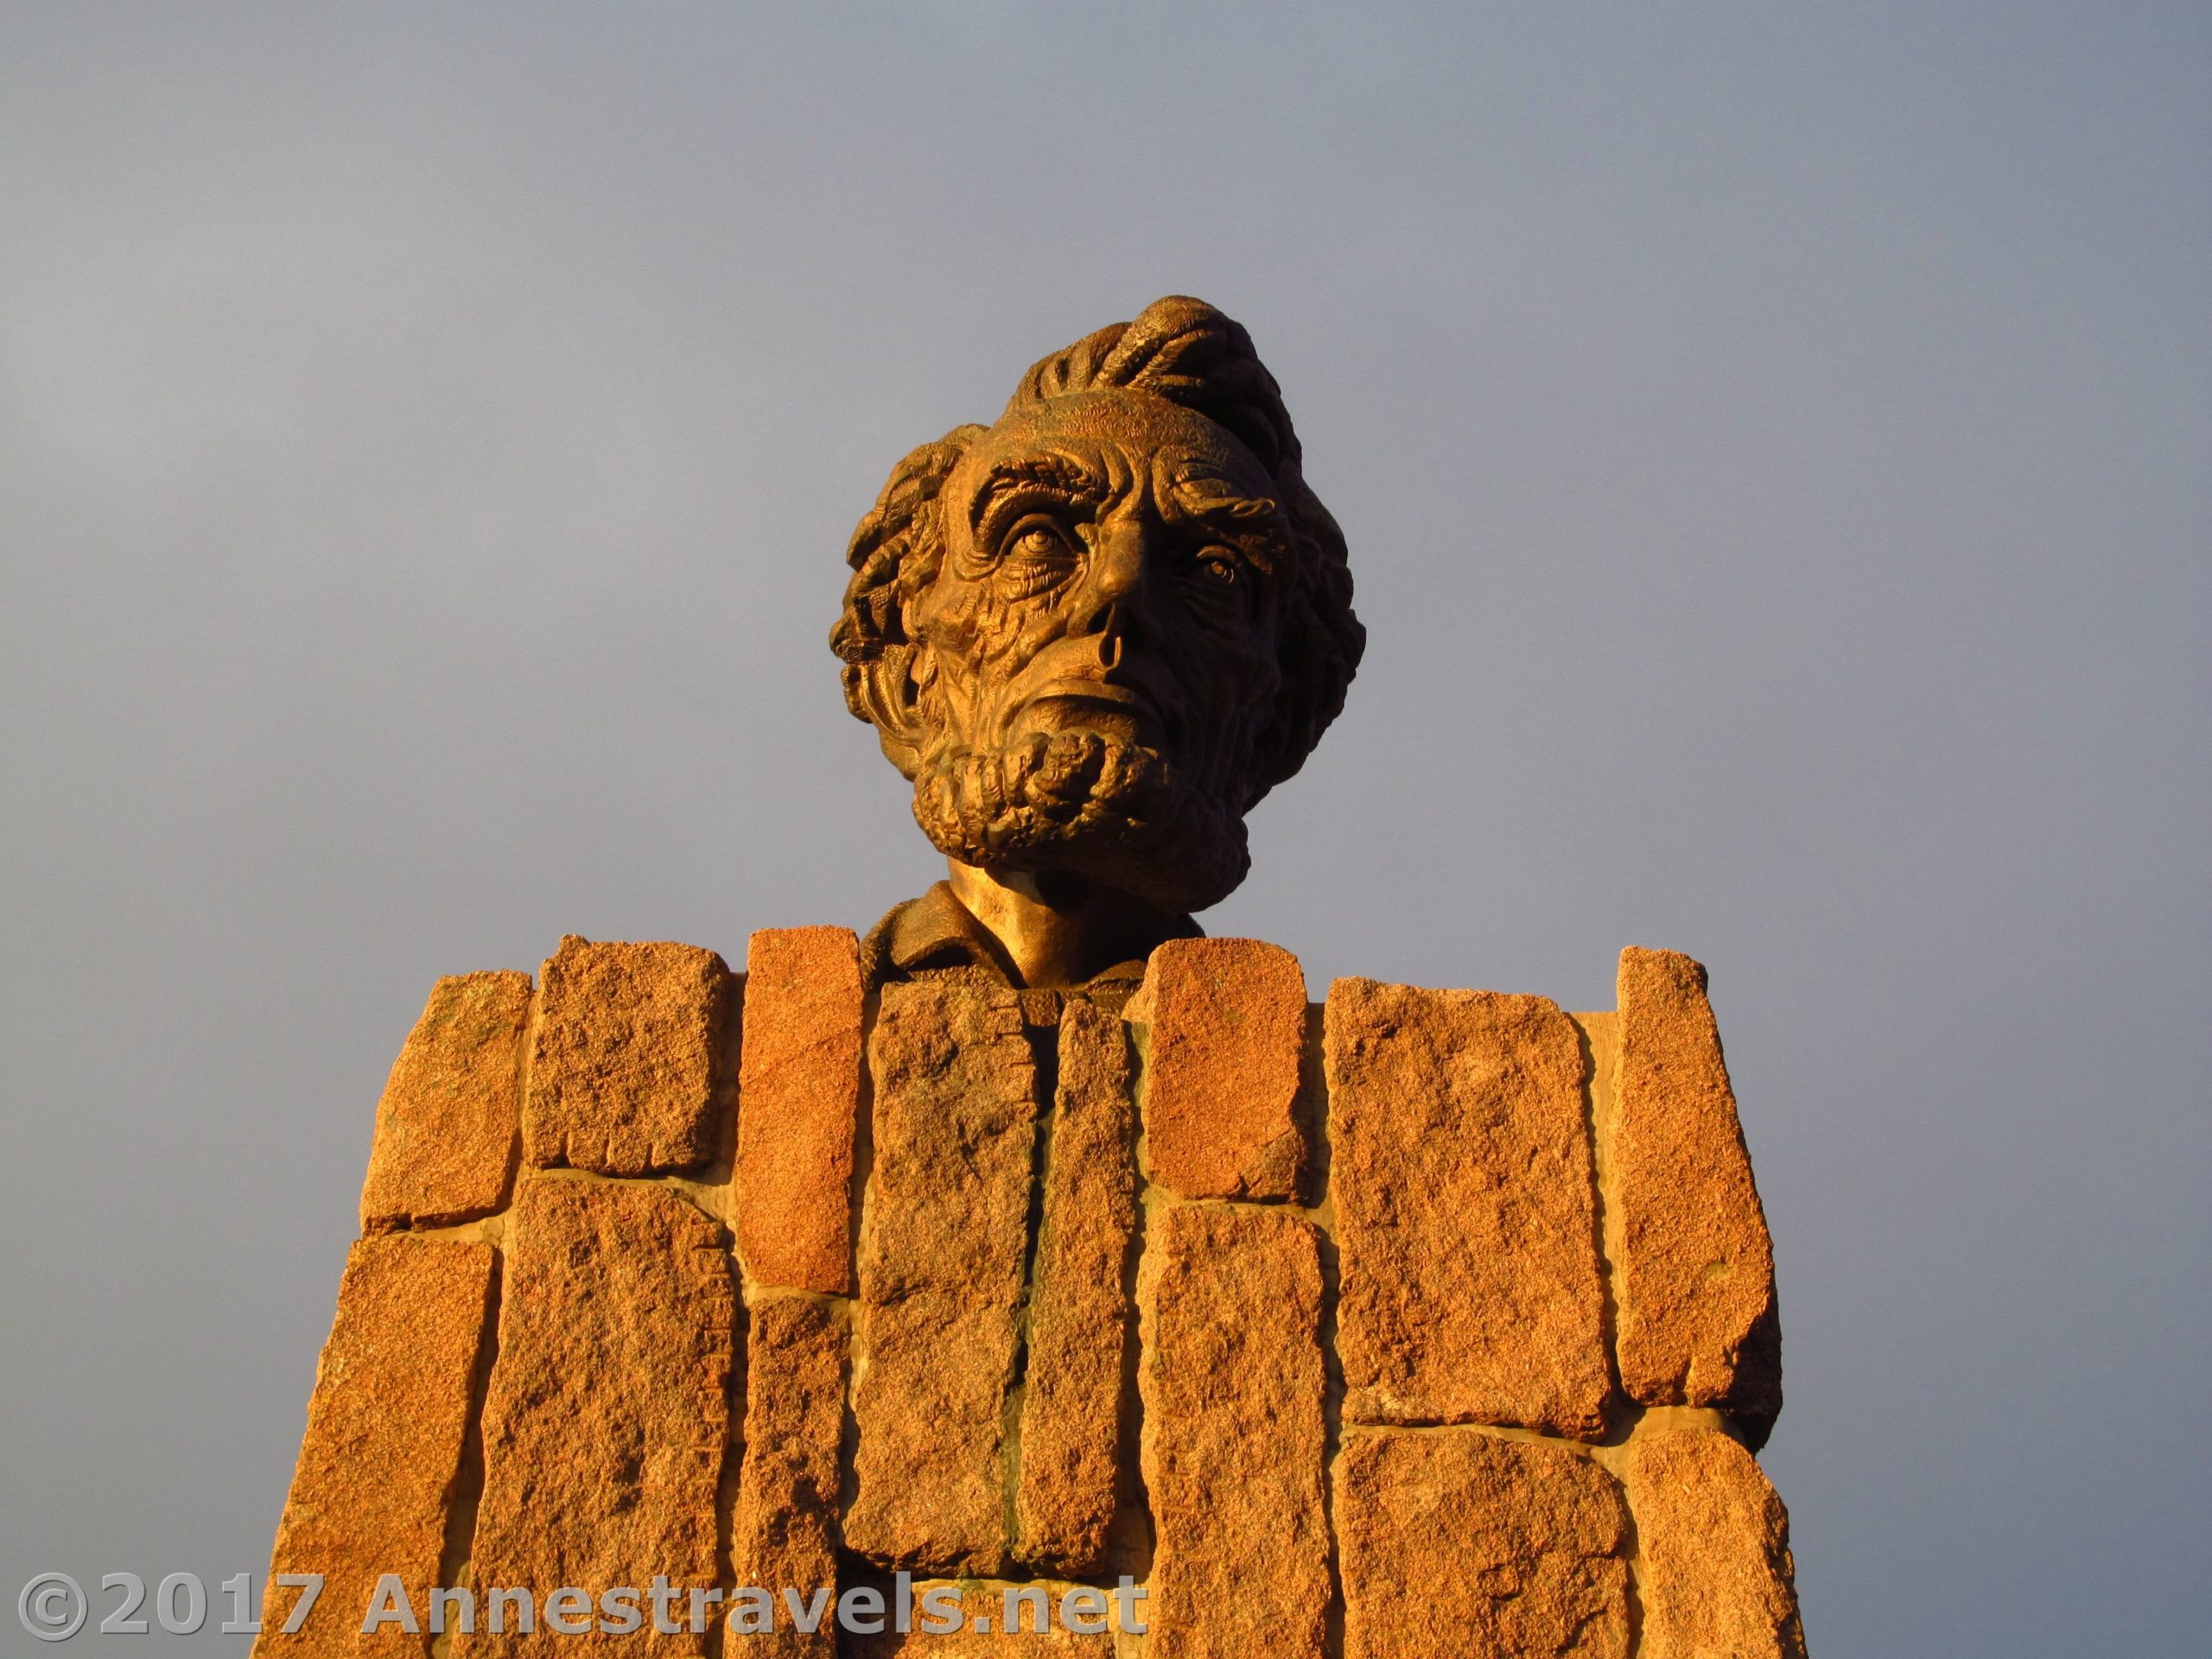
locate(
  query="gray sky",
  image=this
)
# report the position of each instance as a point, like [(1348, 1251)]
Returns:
[(1772, 443)]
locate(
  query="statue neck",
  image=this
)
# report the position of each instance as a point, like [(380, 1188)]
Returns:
[(1059, 929)]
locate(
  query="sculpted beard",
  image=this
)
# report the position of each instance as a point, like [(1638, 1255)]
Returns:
[(1113, 811)]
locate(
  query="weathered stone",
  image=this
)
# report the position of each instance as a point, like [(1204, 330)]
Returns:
[(1697, 1321), (941, 1260), (1225, 1023), (445, 1141), (605, 1420), (1072, 1403), (798, 1098), (382, 1450), (1230, 1303), (1466, 1221), (1455, 1542), (976, 1600), (1715, 1575), (784, 1528), (622, 1070), (1041, 1006)]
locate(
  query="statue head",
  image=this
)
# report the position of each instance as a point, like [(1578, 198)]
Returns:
[(1095, 633)]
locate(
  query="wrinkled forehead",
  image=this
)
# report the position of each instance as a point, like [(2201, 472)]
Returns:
[(1121, 433)]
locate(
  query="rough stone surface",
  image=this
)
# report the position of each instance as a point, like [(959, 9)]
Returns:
[(1716, 1576), (798, 1098), (784, 1528), (941, 1260), (1456, 1542), (1466, 1220), (994, 1377), (1041, 1006), (1230, 1301), (985, 1598), (445, 1141), (622, 1070), (605, 1420), (1071, 1406), (1226, 1022), (385, 1429), (1697, 1320)]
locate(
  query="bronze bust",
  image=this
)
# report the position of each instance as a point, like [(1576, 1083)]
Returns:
[(1094, 635)]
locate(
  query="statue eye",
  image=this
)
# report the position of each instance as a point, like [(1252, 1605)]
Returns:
[(1215, 569), (1036, 556), (1038, 538)]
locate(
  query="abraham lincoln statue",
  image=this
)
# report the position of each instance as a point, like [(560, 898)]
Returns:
[(1094, 635), (1036, 1275)]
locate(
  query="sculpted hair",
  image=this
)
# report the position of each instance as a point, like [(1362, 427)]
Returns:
[(1186, 352)]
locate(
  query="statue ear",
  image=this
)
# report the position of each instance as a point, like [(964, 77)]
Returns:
[(885, 691), (894, 555)]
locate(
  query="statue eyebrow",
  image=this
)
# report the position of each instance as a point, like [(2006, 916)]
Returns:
[(1239, 512), (1229, 512), (1055, 473)]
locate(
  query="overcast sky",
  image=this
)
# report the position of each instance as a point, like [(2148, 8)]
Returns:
[(1773, 447)]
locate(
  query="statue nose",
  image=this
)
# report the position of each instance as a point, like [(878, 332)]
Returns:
[(1116, 572)]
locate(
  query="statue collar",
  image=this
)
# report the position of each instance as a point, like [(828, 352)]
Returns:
[(936, 934)]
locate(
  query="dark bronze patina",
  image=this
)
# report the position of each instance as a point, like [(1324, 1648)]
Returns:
[(1094, 635)]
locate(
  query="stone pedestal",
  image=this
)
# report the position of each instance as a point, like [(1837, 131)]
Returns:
[(1418, 1322)]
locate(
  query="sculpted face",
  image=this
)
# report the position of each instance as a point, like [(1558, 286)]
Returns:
[(1095, 634), (1095, 655)]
